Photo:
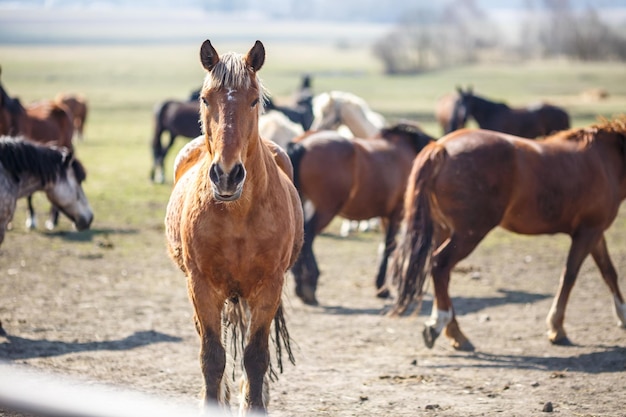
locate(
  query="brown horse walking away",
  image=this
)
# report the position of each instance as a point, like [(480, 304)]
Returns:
[(77, 105), (471, 181), (234, 226), (357, 179), (531, 122)]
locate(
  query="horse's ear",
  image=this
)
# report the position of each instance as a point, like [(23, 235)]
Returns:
[(256, 56), (459, 90), (208, 55)]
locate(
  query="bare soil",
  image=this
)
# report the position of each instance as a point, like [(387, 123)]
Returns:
[(114, 309)]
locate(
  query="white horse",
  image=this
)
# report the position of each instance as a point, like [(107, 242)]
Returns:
[(352, 117), (336, 108)]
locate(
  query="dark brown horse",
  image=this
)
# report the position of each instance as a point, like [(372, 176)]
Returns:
[(471, 181), (178, 118), (234, 225), (10, 109), (357, 179), (530, 122)]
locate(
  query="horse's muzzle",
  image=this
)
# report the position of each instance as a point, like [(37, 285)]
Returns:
[(83, 222), (227, 186)]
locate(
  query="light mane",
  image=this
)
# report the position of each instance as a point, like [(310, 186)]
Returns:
[(231, 71)]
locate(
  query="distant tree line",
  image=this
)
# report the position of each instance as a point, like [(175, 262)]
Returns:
[(461, 33)]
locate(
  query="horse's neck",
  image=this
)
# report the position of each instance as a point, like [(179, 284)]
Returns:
[(28, 184), (355, 118), (485, 111)]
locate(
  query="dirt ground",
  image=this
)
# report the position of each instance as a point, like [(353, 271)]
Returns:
[(103, 311)]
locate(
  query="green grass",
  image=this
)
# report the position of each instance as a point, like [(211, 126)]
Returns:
[(123, 83)]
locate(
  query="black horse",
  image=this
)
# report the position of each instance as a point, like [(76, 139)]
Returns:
[(530, 122), (179, 118), (302, 110)]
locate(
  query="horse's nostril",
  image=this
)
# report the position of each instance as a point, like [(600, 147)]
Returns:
[(237, 174), (215, 172)]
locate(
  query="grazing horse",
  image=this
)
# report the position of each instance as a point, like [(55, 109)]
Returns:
[(46, 122), (336, 108), (178, 118), (77, 105), (234, 226), (357, 179), (26, 167), (471, 181), (531, 122)]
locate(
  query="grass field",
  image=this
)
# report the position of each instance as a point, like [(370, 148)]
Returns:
[(123, 83)]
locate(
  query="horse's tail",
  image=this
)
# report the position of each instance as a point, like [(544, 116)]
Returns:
[(296, 152), (281, 340), (411, 260), (235, 322)]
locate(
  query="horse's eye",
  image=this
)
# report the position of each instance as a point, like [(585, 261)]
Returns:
[(204, 100), (255, 102)]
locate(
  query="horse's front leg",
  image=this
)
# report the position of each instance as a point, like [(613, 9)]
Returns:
[(256, 357), (53, 220), (583, 241), (31, 220), (208, 320)]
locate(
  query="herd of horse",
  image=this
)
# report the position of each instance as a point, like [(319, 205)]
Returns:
[(25, 169), (246, 206)]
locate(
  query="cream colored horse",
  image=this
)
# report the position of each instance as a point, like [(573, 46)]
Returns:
[(277, 127), (336, 108)]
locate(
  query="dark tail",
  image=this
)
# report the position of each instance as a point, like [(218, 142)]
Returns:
[(281, 340), (296, 151), (411, 260)]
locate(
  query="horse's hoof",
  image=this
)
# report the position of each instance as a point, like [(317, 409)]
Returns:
[(562, 341), (382, 293), (430, 335), (466, 346)]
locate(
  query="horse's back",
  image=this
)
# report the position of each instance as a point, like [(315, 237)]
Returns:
[(553, 119), (179, 117)]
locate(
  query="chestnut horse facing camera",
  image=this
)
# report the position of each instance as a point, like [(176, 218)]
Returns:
[(471, 181), (234, 226)]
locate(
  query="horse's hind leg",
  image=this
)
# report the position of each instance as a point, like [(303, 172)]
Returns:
[(53, 220), (602, 259), (442, 315)]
